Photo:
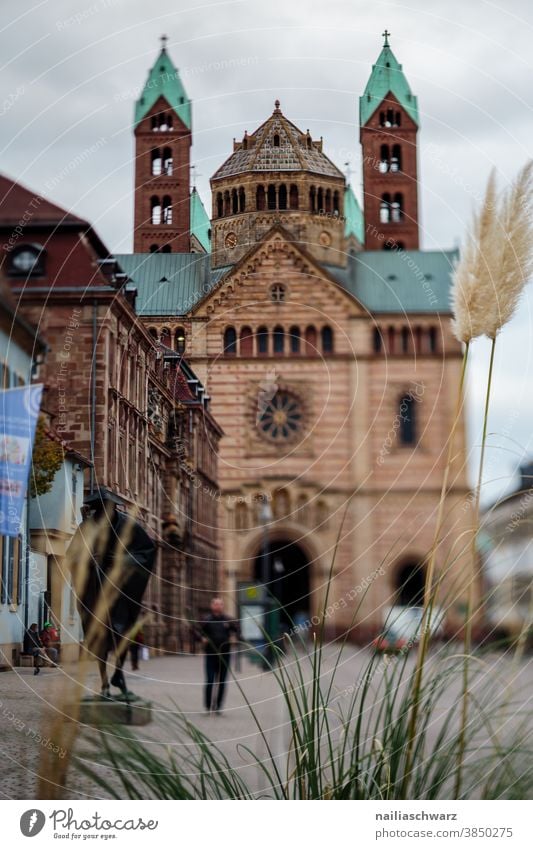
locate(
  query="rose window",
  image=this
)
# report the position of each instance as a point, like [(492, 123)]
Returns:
[(281, 417)]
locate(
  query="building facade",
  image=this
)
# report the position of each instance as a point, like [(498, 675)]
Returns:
[(111, 392), (22, 579), (322, 334)]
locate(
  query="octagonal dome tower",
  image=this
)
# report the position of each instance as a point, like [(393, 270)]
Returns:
[(278, 175)]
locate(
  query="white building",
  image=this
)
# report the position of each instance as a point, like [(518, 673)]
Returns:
[(507, 548)]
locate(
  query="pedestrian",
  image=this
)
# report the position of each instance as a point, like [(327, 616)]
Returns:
[(50, 641), (33, 646), (137, 641), (216, 631)]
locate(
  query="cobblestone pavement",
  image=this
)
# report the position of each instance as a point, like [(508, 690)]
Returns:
[(28, 703)]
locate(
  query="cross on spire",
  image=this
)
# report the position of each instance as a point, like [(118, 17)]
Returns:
[(386, 36), (164, 39), (194, 174)]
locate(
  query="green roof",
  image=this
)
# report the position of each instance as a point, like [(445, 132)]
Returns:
[(169, 284), (382, 281), (354, 220), (164, 81), (200, 223), (399, 281), (387, 77)]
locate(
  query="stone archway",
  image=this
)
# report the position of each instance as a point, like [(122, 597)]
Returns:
[(285, 567), (409, 583)]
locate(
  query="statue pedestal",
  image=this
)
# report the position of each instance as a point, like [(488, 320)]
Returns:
[(116, 710)]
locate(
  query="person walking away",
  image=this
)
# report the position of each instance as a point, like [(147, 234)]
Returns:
[(137, 641), (216, 632), (33, 646)]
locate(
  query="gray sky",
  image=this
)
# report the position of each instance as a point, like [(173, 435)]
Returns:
[(71, 70)]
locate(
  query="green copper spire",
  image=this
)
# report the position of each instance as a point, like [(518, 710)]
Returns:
[(354, 222), (387, 76), (164, 81), (200, 223)]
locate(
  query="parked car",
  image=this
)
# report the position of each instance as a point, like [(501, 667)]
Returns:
[(391, 641)]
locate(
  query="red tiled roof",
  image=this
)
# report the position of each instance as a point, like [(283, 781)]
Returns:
[(19, 205), (181, 389)]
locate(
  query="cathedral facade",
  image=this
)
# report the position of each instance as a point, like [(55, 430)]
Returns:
[(322, 335)]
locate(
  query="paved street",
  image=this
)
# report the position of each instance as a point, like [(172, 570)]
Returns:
[(27, 703)]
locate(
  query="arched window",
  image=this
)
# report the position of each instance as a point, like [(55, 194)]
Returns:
[(262, 340), (389, 122), (179, 340), (220, 205), (418, 340), (276, 139), (227, 203), (384, 162), (381, 119), (293, 197), (241, 516), (156, 162), (166, 338), (397, 207), (327, 340), (405, 340), (242, 200), (407, 416), (398, 119), (400, 246), (271, 197), (279, 340), (310, 341), (312, 199), (294, 336), (153, 333), (167, 210), (247, 342), (167, 161), (377, 340), (336, 202), (234, 202), (320, 200), (154, 249), (385, 209), (260, 197), (328, 200), (155, 206), (155, 124), (282, 197), (230, 341), (166, 249), (433, 340), (396, 159), (390, 340)]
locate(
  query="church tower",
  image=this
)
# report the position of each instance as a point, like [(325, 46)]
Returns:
[(162, 161), (388, 117)]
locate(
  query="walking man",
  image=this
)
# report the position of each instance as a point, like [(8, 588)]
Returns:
[(216, 631)]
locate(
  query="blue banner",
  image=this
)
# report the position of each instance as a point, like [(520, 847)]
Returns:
[(19, 410)]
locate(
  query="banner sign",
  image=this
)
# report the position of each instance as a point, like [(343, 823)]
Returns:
[(19, 410)]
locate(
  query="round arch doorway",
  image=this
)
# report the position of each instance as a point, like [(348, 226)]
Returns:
[(284, 566), (410, 581)]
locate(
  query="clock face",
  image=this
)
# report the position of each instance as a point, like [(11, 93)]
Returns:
[(231, 240), (25, 260), (325, 239)]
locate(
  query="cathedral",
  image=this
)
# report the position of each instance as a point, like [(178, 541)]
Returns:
[(321, 334)]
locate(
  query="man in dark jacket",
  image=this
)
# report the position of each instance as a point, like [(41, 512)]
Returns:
[(216, 631), (32, 645)]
